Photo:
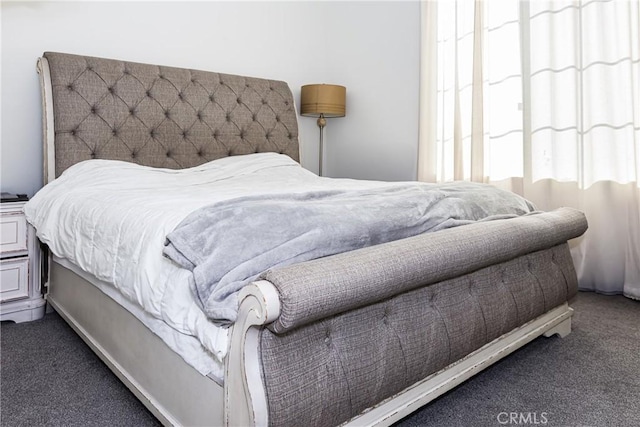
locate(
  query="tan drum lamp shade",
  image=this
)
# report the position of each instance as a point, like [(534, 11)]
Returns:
[(322, 101)]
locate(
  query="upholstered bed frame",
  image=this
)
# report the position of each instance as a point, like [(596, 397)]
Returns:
[(364, 337)]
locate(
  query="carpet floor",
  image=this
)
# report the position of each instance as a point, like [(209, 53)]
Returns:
[(49, 377)]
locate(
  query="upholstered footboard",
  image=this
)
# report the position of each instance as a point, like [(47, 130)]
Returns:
[(328, 371), (349, 331)]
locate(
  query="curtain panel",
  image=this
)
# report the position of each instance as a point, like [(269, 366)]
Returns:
[(541, 98)]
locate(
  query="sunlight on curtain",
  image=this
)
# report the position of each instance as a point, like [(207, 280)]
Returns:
[(585, 91), (542, 98)]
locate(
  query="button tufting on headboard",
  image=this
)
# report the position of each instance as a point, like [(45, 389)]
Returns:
[(163, 116)]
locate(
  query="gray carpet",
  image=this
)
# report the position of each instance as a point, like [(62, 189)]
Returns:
[(48, 377)]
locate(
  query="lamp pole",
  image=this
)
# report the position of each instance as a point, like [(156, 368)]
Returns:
[(321, 124)]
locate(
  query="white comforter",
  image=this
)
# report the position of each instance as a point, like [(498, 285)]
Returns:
[(111, 218)]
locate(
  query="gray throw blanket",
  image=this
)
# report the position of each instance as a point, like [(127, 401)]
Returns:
[(229, 244)]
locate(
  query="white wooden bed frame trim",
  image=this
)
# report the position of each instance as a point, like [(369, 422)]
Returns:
[(178, 395)]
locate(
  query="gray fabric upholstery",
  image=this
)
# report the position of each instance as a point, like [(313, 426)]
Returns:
[(328, 371), (327, 286), (163, 116)]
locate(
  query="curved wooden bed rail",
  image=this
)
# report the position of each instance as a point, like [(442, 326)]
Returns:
[(245, 401)]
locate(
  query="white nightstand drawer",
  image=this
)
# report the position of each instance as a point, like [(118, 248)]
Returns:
[(14, 278), (13, 233)]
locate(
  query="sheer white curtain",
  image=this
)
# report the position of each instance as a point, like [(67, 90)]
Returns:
[(542, 98)]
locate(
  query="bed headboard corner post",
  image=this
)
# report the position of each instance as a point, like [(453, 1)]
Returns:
[(48, 132)]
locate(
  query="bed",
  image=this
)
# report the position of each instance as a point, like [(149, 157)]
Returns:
[(362, 337)]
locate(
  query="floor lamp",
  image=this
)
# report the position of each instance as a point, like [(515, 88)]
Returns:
[(322, 101)]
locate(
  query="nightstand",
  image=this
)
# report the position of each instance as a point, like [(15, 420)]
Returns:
[(20, 296)]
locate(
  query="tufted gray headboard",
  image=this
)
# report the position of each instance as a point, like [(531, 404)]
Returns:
[(158, 116)]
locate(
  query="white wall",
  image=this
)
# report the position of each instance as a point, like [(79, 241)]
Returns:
[(374, 52), (372, 48)]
